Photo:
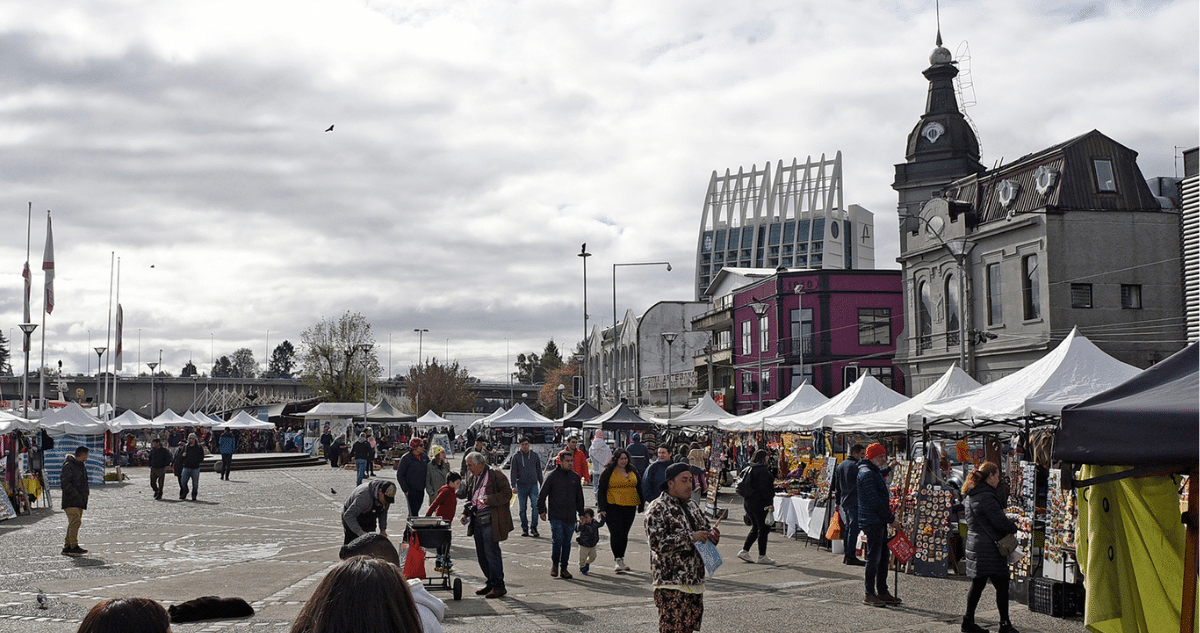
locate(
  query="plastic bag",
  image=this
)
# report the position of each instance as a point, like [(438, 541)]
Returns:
[(834, 532)]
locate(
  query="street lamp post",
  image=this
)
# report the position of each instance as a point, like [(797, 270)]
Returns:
[(420, 366), (99, 399), (583, 380), (760, 309), (616, 352), (27, 329), (559, 391), (669, 337), (152, 365), (365, 362), (959, 248)]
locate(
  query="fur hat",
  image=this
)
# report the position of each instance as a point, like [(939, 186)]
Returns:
[(415, 442), (875, 450)]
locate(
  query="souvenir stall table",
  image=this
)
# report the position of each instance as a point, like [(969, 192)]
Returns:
[(799, 513)]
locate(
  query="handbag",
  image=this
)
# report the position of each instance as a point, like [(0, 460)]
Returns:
[(1007, 545), (835, 528)]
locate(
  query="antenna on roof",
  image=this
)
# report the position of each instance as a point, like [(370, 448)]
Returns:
[(964, 87)]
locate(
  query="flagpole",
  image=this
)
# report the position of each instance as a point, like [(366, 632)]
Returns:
[(47, 305), (117, 360), (111, 395)]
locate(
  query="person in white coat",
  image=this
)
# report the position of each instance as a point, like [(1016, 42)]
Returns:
[(600, 453)]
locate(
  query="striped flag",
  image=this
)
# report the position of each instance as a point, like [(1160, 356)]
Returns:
[(48, 266), (120, 327)]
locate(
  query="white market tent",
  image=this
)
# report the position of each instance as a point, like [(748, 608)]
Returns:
[(865, 395), (71, 427), (895, 419), (242, 422), (432, 419), (520, 416), (170, 418), (706, 413), (483, 422), (130, 421), (805, 397), (1073, 372), (10, 423), (72, 420), (199, 418)]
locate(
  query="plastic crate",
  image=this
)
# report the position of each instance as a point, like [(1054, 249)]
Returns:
[(1072, 600), (1046, 596)]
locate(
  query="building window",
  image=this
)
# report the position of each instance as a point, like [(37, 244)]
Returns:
[(924, 317), (995, 311), (748, 382), (1105, 180), (1029, 287), (874, 326), (764, 333), (1081, 295), (952, 310), (1131, 297), (800, 338), (765, 383), (746, 338), (801, 374)]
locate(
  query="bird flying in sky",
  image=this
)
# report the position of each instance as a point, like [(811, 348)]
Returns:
[(330, 129)]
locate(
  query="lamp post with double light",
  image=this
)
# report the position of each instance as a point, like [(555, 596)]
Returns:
[(99, 370), (27, 329), (365, 361), (152, 365), (760, 310), (616, 353), (669, 337)]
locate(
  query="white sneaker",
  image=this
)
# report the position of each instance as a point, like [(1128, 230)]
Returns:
[(763, 560), (745, 555), (621, 566)]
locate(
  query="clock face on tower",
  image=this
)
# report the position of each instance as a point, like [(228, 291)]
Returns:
[(933, 131)]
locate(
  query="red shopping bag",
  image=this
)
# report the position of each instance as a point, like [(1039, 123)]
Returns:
[(414, 562), (901, 547)]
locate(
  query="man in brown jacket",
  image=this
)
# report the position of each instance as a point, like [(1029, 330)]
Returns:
[(488, 518)]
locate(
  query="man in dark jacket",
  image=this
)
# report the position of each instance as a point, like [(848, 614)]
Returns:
[(193, 456), (525, 475), (326, 444), (360, 452), (874, 517), (639, 455), (75, 492), (845, 494), (655, 475), (367, 507), (226, 445), (160, 458), (410, 472), (489, 520), (562, 494), (761, 499)]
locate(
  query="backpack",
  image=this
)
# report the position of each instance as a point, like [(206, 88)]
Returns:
[(744, 488)]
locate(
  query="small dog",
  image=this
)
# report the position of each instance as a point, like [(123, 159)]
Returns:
[(209, 608)]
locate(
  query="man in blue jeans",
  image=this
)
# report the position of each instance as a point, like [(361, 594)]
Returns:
[(845, 493), (874, 517), (488, 520), (562, 496), (525, 473), (227, 444), (360, 452)]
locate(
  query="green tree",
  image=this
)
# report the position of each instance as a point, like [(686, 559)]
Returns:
[(528, 368), (333, 355), (442, 387), (243, 364), (223, 368), (551, 359), (188, 370), (283, 360)]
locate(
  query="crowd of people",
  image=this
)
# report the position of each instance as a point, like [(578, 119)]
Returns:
[(369, 587)]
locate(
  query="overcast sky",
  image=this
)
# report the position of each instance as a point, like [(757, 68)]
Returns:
[(478, 144)]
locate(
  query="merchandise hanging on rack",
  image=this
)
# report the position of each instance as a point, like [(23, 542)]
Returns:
[(1024, 514), (932, 532), (1062, 514), (825, 477)]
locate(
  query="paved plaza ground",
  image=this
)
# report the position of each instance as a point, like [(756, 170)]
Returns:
[(269, 536)]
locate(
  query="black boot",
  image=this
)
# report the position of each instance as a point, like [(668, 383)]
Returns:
[(969, 626), (1007, 627)]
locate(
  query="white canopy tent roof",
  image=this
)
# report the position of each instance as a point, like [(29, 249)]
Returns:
[(199, 418), (1072, 372), (335, 410), (706, 413), (432, 419), (242, 422), (805, 397), (10, 423), (170, 418), (895, 419), (72, 419), (522, 416), (865, 395), (130, 421)]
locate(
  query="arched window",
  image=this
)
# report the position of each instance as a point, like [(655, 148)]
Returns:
[(924, 317), (953, 309)]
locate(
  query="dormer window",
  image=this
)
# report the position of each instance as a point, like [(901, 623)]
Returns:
[(1106, 180)]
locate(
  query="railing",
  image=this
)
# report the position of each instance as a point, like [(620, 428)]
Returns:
[(924, 343), (952, 338), (797, 346)]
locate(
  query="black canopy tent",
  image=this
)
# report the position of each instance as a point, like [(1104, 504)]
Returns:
[(576, 418), (620, 417), (1150, 422)]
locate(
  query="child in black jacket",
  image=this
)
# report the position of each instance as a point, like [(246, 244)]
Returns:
[(589, 537)]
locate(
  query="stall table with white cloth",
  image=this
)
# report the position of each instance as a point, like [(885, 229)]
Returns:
[(799, 513)]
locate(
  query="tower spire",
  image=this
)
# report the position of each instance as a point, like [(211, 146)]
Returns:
[(937, 8)]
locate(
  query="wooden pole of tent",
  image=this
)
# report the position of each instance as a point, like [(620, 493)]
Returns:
[(1187, 623)]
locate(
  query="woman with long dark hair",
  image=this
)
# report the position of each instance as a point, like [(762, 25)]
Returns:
[(986, 524), (618, 500), (119, 615), (360, 595)]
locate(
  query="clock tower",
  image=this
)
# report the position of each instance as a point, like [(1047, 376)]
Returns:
[(941, 148)]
